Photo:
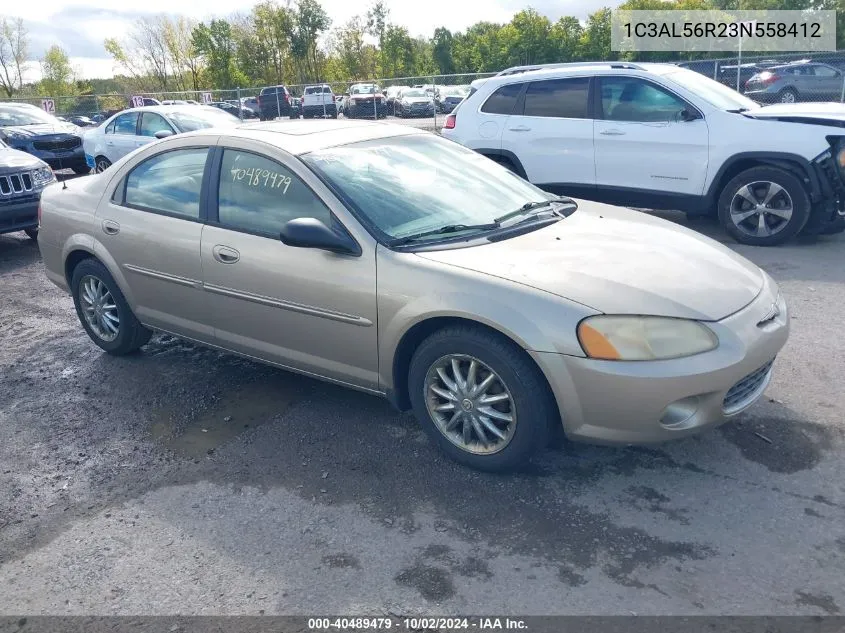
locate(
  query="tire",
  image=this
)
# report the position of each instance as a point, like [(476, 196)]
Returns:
[(130, 335), (737, 217), (101, 164), (82, 170), (528, 399), (788, 95), (32, 234)]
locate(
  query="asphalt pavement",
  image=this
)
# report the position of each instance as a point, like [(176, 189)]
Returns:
[(183, 480)]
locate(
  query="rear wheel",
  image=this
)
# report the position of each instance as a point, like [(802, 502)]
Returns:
[(479, 396), (788, 95), (103, 311), (764, 206)]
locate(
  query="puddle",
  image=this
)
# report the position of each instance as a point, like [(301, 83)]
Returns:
[(225, 417)]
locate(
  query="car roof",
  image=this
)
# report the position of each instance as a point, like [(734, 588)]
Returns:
[(553, 71), (301, 137), (166, 109)]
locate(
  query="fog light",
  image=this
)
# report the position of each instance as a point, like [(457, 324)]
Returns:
[(679, 414)]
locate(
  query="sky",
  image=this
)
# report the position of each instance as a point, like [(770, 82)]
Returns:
[(80, 26)]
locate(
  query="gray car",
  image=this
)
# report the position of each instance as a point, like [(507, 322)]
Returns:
[(799, 81), (392, 261)]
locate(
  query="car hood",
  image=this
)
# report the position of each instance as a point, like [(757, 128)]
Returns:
[(44, 129), (823, 113), (416, 99), (620, 261), (16, 160)]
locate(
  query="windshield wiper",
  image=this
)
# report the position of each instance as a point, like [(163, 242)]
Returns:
[(738, 110), (531, 206), (445, 230)]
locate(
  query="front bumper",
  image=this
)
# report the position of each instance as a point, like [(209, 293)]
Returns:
[(828, 211), (19, 214), (612, 402), (60, 159), (365, 109)]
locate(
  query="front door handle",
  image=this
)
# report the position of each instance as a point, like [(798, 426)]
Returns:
[(110, 227), (520, 128), (612, 133), (225, 255)]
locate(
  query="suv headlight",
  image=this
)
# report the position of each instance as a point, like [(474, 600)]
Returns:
[(43, 176), (620, 337), (11, 136)]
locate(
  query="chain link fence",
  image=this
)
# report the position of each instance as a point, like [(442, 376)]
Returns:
[(765, 79)]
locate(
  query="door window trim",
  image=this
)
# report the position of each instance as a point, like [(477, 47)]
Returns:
[(203, 204), (212, 214), (598, 114)]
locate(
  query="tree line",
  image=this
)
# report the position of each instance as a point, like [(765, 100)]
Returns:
[(296, 43)]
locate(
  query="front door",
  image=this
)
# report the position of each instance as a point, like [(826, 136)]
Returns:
[(152, 226), (648, 140), (121, 136), (551, 133), (306, 309)]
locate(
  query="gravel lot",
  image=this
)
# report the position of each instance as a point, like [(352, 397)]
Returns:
[(182, 480)]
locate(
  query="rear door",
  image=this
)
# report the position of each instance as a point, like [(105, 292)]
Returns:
[(551, 133), (644, 143), (151, 227), (828, 83), (487, 126)]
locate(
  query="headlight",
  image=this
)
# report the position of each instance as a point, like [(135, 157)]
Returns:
[(612, 337), (43, 176), (11, 135)]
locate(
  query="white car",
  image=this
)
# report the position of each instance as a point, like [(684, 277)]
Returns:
[(662, 137), (318, 101), (130, 129)]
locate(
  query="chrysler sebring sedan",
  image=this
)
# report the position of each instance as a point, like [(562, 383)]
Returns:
[(353, 252)]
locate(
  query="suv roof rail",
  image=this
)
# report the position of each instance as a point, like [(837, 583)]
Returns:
[(515, 70)]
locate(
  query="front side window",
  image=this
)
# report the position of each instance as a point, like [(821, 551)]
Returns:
[(258, 195), (126, 123), (503, 100), (632, 99), (410, 184), (152, 123), (202, 117), (169, 183), (562, 98)]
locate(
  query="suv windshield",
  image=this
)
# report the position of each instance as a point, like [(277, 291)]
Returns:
[(454, 91), (11, 116), (411, 184), (716, 94), (196, 118), (363, 90)]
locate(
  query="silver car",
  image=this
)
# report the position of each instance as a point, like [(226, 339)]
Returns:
[(393, 261)]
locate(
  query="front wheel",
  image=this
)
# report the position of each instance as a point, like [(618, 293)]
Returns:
[(103, 311), (101, 164), (32, 234), (480, 398), (764, 206)]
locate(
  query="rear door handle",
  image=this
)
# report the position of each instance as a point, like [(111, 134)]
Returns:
[(520, 128), (110, 227), (612, 133), (225, 255)]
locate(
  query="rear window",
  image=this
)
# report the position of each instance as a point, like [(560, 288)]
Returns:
[(563, 98), (273, 90), (503, 100)]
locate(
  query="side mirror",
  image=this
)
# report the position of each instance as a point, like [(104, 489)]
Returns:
[(311, 233), (686, 115), (163, 133)]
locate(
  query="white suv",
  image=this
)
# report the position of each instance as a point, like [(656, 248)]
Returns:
[(662, 137)]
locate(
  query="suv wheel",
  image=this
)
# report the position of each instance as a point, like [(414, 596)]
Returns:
[(103, 310), (788, 95), (480, 398), (764, 206)]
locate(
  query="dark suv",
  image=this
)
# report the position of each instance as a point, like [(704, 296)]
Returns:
[(274, 101), (22, 178)]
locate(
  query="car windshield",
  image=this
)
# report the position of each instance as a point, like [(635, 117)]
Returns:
[(198, 118), (11, 116), (716, 94), (414, 92), (364, 90), (411, 184), (454, 91)]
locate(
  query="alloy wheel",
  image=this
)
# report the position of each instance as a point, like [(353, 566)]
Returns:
[(99, 308), (102, 165), (761, 209), (470, 404)]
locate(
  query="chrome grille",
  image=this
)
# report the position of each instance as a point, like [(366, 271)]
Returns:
[(747, 390), (58, 145), (13, 184)]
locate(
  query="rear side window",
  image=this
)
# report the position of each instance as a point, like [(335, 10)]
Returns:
[(126, 123), (563, 98), (503, 100), (169, 183), (258, 195)]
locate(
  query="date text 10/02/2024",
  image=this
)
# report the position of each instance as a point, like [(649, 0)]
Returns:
[(418, 624)]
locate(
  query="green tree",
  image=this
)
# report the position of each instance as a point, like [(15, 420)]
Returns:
[(58, 77), (216, 44), (14, 50), (442, 43), (532, 42), (310, 20), (377, 20), (595, 41), (398, 52), (565, 37)]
